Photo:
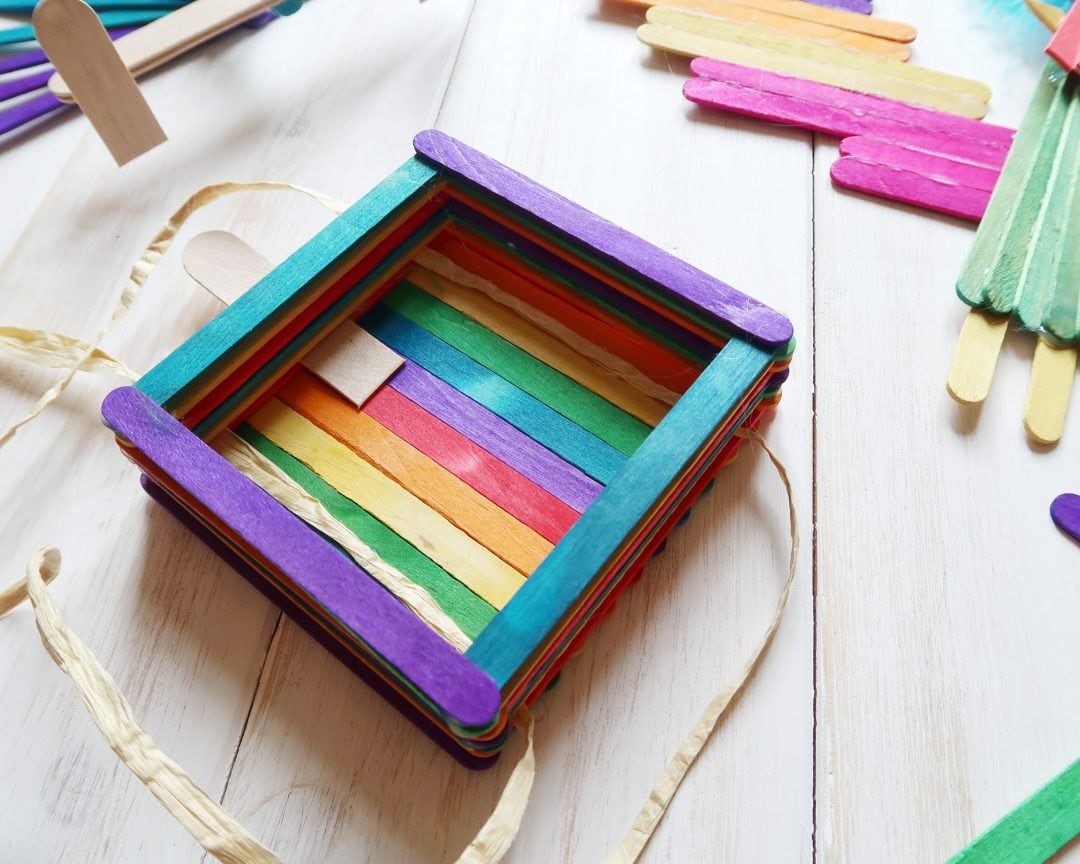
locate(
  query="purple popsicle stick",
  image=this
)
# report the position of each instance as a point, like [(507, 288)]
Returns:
[(22, 113), (908, 187), (1065, 511), (864, 7), (503, 441), (934, 165), (24, 84), (457, 687), (839, 112), (27, 59)]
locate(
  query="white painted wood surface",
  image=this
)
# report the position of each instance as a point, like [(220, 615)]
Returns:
[(935, 623)]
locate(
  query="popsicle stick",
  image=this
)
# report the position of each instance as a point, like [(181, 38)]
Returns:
[(502, 440), (559, 392), (77, 45), (26, 32), (460, 504), (977, 350), (856, 23), (582, 449), (26, 7), (405, 514), (964, 99), (350, 360), (13, 87), (29, 110), (467, 610), (494, 479), (939, 194), (172, 35), (1050, 16), (934, 165), (1065, 512), (503, 319), (843, 113), (1052, 373), (1065, 44)]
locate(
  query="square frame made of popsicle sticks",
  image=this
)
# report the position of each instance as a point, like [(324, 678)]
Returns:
[(226, 370)]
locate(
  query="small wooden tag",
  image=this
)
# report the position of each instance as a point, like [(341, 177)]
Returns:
[(79, 47)]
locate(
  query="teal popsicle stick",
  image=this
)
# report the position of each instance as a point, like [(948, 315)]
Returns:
[(26, 7), (25, 33)]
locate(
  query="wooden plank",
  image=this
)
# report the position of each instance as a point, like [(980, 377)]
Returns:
[(737, 311), (527, 621), (470, 612), (559, 392), (78, 46), (453, 685), (461, 556), (580, 448), (460, 504)]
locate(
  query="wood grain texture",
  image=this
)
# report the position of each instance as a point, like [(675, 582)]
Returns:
[(79, 47), (460, 504)]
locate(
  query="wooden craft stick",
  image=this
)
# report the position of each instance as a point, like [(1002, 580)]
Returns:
[(1053, 370), (882, 28), (504, 321), (169, 36), (75, 40), (1065, 44), (843, 113), (821, 63), (460, 504), (499, 438), (1065, 512), (619, 347), (928, 191), (972, 370), (583, 407), (949, 170), (582, 449), (409, 517), (1050, 16), (527, 502), (350, 360), (470, 612)]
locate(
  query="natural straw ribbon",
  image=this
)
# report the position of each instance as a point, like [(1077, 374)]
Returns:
[(142, 269)]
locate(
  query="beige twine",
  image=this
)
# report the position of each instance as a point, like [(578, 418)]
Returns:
[(204, 818)]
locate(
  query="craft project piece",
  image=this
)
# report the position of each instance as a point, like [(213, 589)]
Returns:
[(1064, 47), (76, 42), (1065, 512), (1025, 261), (926, 158), (350, 360), (520, 457), (697, 35)]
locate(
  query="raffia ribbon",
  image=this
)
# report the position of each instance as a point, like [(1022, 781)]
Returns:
[(204, 818)]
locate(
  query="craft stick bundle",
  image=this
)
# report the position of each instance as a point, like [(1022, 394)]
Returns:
[(451, 428)]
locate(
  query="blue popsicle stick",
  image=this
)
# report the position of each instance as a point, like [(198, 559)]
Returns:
[(25, 33)]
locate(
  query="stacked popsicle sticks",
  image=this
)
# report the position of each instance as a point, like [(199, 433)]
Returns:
[(543, 397), (1024, 265), (908, 133)]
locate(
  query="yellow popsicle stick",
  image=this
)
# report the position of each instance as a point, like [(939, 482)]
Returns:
[(977, 350), (1052, 373), (413, 520), (1050, 16), (825, 34), (836, 67), (512, 327), (883, 28)]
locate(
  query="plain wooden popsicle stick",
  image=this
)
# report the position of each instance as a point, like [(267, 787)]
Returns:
[(894, 31), (350, 359), (78, 45), (977, 350), (1052, 373), (964, 100), (168, 37)]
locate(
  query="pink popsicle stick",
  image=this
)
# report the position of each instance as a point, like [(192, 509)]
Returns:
[(1065, 46), (835, 111), (907, 187), (932, 165)]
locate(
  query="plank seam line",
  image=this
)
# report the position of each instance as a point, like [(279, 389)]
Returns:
[(454, 65), (813, 506)]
